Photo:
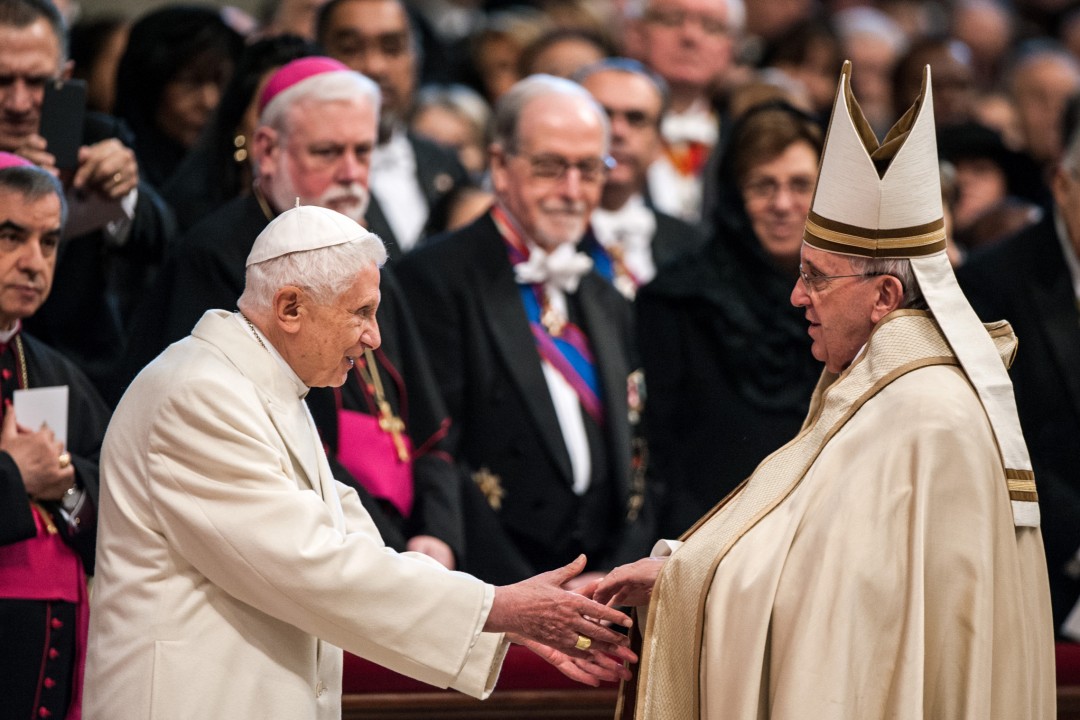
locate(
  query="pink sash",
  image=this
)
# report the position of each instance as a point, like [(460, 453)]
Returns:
[(44, 568), (368, 453)]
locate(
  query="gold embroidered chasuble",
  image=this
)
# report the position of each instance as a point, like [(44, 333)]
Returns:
[(867, 569)]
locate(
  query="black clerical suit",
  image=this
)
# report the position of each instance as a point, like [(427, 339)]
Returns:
[(1025, 280), (206, 271), (521, 513), (38, 637)]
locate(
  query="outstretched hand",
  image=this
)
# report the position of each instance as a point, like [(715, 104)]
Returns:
[(539, 610), (590, 671), (629, 585)]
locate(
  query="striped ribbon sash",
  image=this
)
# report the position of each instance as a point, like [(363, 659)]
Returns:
[(569, 352)]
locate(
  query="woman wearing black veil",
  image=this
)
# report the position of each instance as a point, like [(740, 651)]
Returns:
[(726, 356)]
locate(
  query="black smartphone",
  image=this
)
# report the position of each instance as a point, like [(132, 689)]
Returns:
[(62, 111)]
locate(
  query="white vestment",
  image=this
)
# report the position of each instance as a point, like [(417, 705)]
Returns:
[(232, 567), (887, 580)]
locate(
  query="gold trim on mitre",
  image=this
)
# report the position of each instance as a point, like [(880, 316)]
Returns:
[(878, 200)]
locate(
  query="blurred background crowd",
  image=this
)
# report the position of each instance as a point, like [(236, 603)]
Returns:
[(716, 112)]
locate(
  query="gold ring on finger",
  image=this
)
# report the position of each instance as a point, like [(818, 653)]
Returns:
[(118, 178), (65, 459), (583, 643)]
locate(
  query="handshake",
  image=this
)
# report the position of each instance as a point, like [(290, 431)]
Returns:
[(571, 629)]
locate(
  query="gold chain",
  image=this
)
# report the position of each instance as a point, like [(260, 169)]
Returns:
[(255, 332), (22, 362)]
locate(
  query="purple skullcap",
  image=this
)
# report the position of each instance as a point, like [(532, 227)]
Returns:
[(296, 72), (11, 160)]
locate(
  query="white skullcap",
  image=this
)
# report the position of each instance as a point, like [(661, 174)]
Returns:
[(304, 228)]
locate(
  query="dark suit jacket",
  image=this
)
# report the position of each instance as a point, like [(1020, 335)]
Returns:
[(674, 239), (438, 171), (1025, 280), (470, 314), (98, 285)]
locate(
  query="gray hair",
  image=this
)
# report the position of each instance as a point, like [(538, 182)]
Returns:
[(736, 12), (324, 273), (459, 99), (33, 183), (899, 268), (24, 13), (513, 101), (862, 20), (327, 87)]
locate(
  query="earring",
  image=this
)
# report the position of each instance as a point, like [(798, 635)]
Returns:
[(241, 153)]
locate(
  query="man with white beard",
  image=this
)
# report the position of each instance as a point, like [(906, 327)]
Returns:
[(318, 123)]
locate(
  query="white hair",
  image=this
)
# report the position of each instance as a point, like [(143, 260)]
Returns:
[(324, 273), (326, 87), (862, 20), (736, 12)]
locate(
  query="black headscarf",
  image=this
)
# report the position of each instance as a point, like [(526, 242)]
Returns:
[(743, 296), (161, 44)]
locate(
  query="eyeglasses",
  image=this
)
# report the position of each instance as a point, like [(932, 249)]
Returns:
[(555, 167), (677, 18), (637, 119), (766, 189), (817, 283)]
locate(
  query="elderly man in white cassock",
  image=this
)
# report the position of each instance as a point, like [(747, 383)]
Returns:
[(232, 567), (887, 561)]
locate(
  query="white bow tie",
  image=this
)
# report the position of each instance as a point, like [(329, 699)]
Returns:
[(562, 268)]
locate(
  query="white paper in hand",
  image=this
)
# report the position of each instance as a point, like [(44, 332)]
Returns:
[(45, 405)]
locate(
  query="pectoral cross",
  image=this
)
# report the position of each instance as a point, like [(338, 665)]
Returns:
[(391, 423)]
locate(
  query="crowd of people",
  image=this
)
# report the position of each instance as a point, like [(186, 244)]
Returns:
[(605, 240)]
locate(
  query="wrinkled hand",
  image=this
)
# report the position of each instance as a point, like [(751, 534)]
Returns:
[(538, 609), (590, 671), (629, 585), (434, 548), (584, 580), (36, 454), (107, 169)]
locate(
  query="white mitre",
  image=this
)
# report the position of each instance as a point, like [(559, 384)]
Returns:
[(303, 228), (883, 200)]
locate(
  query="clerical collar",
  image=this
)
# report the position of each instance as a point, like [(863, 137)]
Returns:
[(6, 335), (265, 343)]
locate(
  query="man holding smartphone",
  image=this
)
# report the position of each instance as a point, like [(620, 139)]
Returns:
[(117, 229)]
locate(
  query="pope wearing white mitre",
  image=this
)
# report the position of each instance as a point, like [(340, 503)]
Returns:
[(887, 561), (232, 568)]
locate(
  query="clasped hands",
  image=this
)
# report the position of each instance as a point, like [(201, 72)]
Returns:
[(555, 623)]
